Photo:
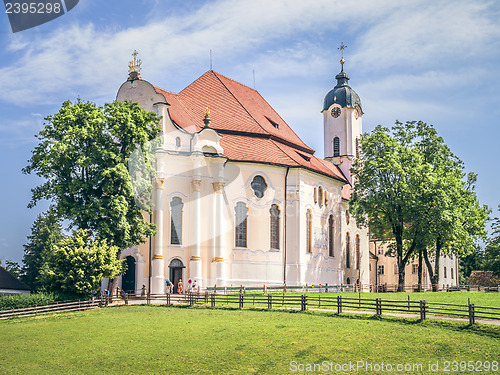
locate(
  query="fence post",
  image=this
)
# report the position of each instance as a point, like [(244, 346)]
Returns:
[(269, 301), (303, 302), (126, 298), (422, 310), (326, 288), (241, 301), (319, 301), (408, 302), (339, 304), (378, 306), (472, 317), (212, 302)]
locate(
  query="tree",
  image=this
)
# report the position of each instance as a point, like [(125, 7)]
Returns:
[(45, 232), (410, 189), (13, 268), (492, 250), (83, 154), (77, 264), (470, 262), (382, 192)]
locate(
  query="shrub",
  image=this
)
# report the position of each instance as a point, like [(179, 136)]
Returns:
[(21, 301)]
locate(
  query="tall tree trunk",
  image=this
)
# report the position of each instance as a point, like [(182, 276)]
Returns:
[(401, 274), (428, 264), (435, 276), (420, 268)]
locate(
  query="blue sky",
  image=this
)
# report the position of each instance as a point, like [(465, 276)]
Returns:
[(436, 61)]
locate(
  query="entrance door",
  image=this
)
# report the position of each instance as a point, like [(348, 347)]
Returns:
[(128, 280), (176, 267)]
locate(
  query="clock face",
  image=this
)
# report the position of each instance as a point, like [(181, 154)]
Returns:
[(336, 112)]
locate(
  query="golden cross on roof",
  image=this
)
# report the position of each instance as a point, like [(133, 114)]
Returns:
[(134, 67), (342, 48)]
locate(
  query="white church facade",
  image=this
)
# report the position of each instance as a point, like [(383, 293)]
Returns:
[(240, 199)]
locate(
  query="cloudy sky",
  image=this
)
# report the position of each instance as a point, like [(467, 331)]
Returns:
[(436, 61)]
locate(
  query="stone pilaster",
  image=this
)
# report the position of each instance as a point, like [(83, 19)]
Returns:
[(220, 267), (158, 263)]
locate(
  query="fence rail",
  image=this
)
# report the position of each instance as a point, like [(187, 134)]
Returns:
[(326, 288), (58, 307), (317, 301), (339, 304)]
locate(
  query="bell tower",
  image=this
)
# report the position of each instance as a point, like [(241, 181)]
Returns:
[(342, 122)]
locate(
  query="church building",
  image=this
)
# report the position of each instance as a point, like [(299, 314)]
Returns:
[(239, 198)]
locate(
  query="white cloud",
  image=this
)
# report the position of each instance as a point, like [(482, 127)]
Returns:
[(82, 60)]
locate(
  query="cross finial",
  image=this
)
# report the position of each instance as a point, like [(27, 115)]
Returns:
[(342, 48), (134, 67)]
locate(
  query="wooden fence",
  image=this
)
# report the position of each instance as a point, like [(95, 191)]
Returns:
[(58, 307), (325, 288), (316, 301), (339, 304)]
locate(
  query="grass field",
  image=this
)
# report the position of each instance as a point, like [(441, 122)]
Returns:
[(169, 340)]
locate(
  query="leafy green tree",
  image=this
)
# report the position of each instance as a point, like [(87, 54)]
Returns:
[(77, 264), (492, 250), (382, 192), (83, 154), (470, 262), (13, 268), (410, 189), (45, 232)]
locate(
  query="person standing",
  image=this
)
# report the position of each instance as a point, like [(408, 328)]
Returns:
[(179, 286)]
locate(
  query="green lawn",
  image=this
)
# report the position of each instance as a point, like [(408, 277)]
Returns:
[(161, 340)]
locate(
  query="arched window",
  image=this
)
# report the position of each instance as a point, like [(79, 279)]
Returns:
[(258, 186), (241, 211), (331, 232), (336, 146), (320, 196), (326, 197), (176, 221), (309, 231), (358, 251), (275, 226), (315, 195), (444, 272), (177, 142), (348, 250)]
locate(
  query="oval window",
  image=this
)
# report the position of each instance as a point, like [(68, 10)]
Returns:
[(258, 186)]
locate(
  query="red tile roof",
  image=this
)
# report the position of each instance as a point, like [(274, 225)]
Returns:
[(246, 122)]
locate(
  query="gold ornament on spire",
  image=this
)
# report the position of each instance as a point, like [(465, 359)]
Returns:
[(134, 67), (207, 121), (341, 48)]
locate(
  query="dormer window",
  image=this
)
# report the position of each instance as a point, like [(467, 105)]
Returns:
[(272, 122)]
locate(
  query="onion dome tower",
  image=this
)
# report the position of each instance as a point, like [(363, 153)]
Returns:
[(342, 122)]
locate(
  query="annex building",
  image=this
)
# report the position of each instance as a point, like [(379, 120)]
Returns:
[(239, 198)]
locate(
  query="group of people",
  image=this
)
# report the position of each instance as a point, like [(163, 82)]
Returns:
[(169, 286)]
